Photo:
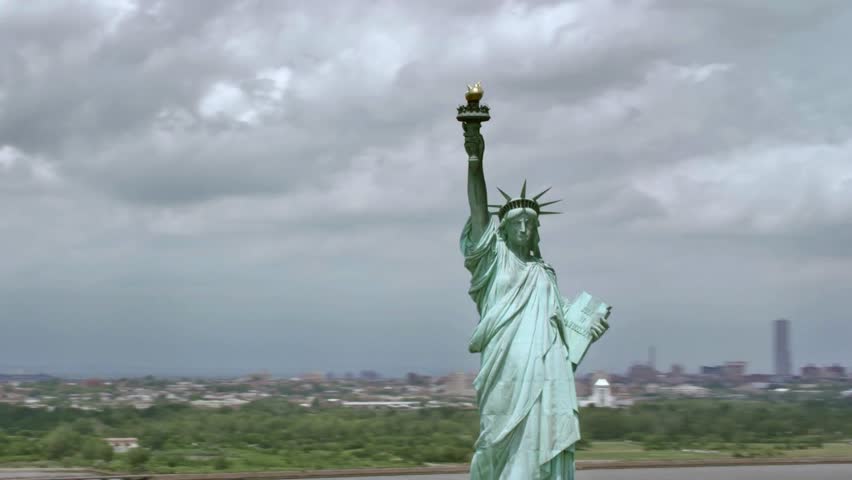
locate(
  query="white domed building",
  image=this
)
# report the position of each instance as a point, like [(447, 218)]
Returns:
[(601, 395)]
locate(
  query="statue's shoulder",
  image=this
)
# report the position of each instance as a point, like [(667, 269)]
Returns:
[(547, 266)]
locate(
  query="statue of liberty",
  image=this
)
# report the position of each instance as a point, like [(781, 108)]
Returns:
[(529, 337)]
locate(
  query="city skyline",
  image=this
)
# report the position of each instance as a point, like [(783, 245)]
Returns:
[(783, 369), (782, 365)]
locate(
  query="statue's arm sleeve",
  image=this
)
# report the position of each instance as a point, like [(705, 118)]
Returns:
[(479, 253)]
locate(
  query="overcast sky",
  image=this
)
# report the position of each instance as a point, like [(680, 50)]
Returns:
[(227, 187)]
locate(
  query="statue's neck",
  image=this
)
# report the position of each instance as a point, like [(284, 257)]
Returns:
[(521, 252)]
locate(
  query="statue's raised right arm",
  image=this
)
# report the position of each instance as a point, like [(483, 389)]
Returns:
[(477, 194)]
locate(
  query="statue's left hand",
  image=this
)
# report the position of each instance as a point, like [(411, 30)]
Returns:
[(600, 326)]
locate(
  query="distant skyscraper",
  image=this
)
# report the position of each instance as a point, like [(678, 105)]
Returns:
[(652, 357), (783, 365)]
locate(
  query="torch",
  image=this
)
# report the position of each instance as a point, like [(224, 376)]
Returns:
[(473, 114)]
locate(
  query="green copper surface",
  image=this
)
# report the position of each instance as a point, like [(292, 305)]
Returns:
[(530, 338)]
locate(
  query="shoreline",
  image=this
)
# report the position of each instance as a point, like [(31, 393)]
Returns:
[(431, 470)]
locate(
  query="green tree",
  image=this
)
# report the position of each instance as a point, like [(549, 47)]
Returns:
[(154, 438), (138, 457), (221, 463), (96, 449), (63, 441), (173, 459), (84, 426)]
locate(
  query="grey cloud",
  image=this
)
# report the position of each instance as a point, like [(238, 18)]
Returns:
[(162, 60), (345, 187)]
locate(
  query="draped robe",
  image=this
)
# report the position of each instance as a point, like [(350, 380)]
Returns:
[(525, 386)]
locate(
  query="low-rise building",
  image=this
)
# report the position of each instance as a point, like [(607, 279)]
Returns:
[(122, 444)]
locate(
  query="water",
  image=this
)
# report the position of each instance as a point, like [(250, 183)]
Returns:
[(22, 473), (771, 472)]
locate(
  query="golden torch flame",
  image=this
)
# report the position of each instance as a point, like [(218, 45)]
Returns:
[(474, 92)]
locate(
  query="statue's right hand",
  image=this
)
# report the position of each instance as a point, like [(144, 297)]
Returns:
[(471, 147), (474, 144)]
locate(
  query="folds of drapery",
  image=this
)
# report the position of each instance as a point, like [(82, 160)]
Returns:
[(525, 386)]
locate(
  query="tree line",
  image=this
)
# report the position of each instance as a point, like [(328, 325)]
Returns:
[(274, 434)]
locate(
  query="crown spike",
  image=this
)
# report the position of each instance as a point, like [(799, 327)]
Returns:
[(542, 193), (505, 195), (523, 202)]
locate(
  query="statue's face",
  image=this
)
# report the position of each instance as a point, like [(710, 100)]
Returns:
[(520, 230)]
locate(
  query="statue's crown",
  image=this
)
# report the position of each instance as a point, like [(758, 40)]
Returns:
[(523, 202)]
